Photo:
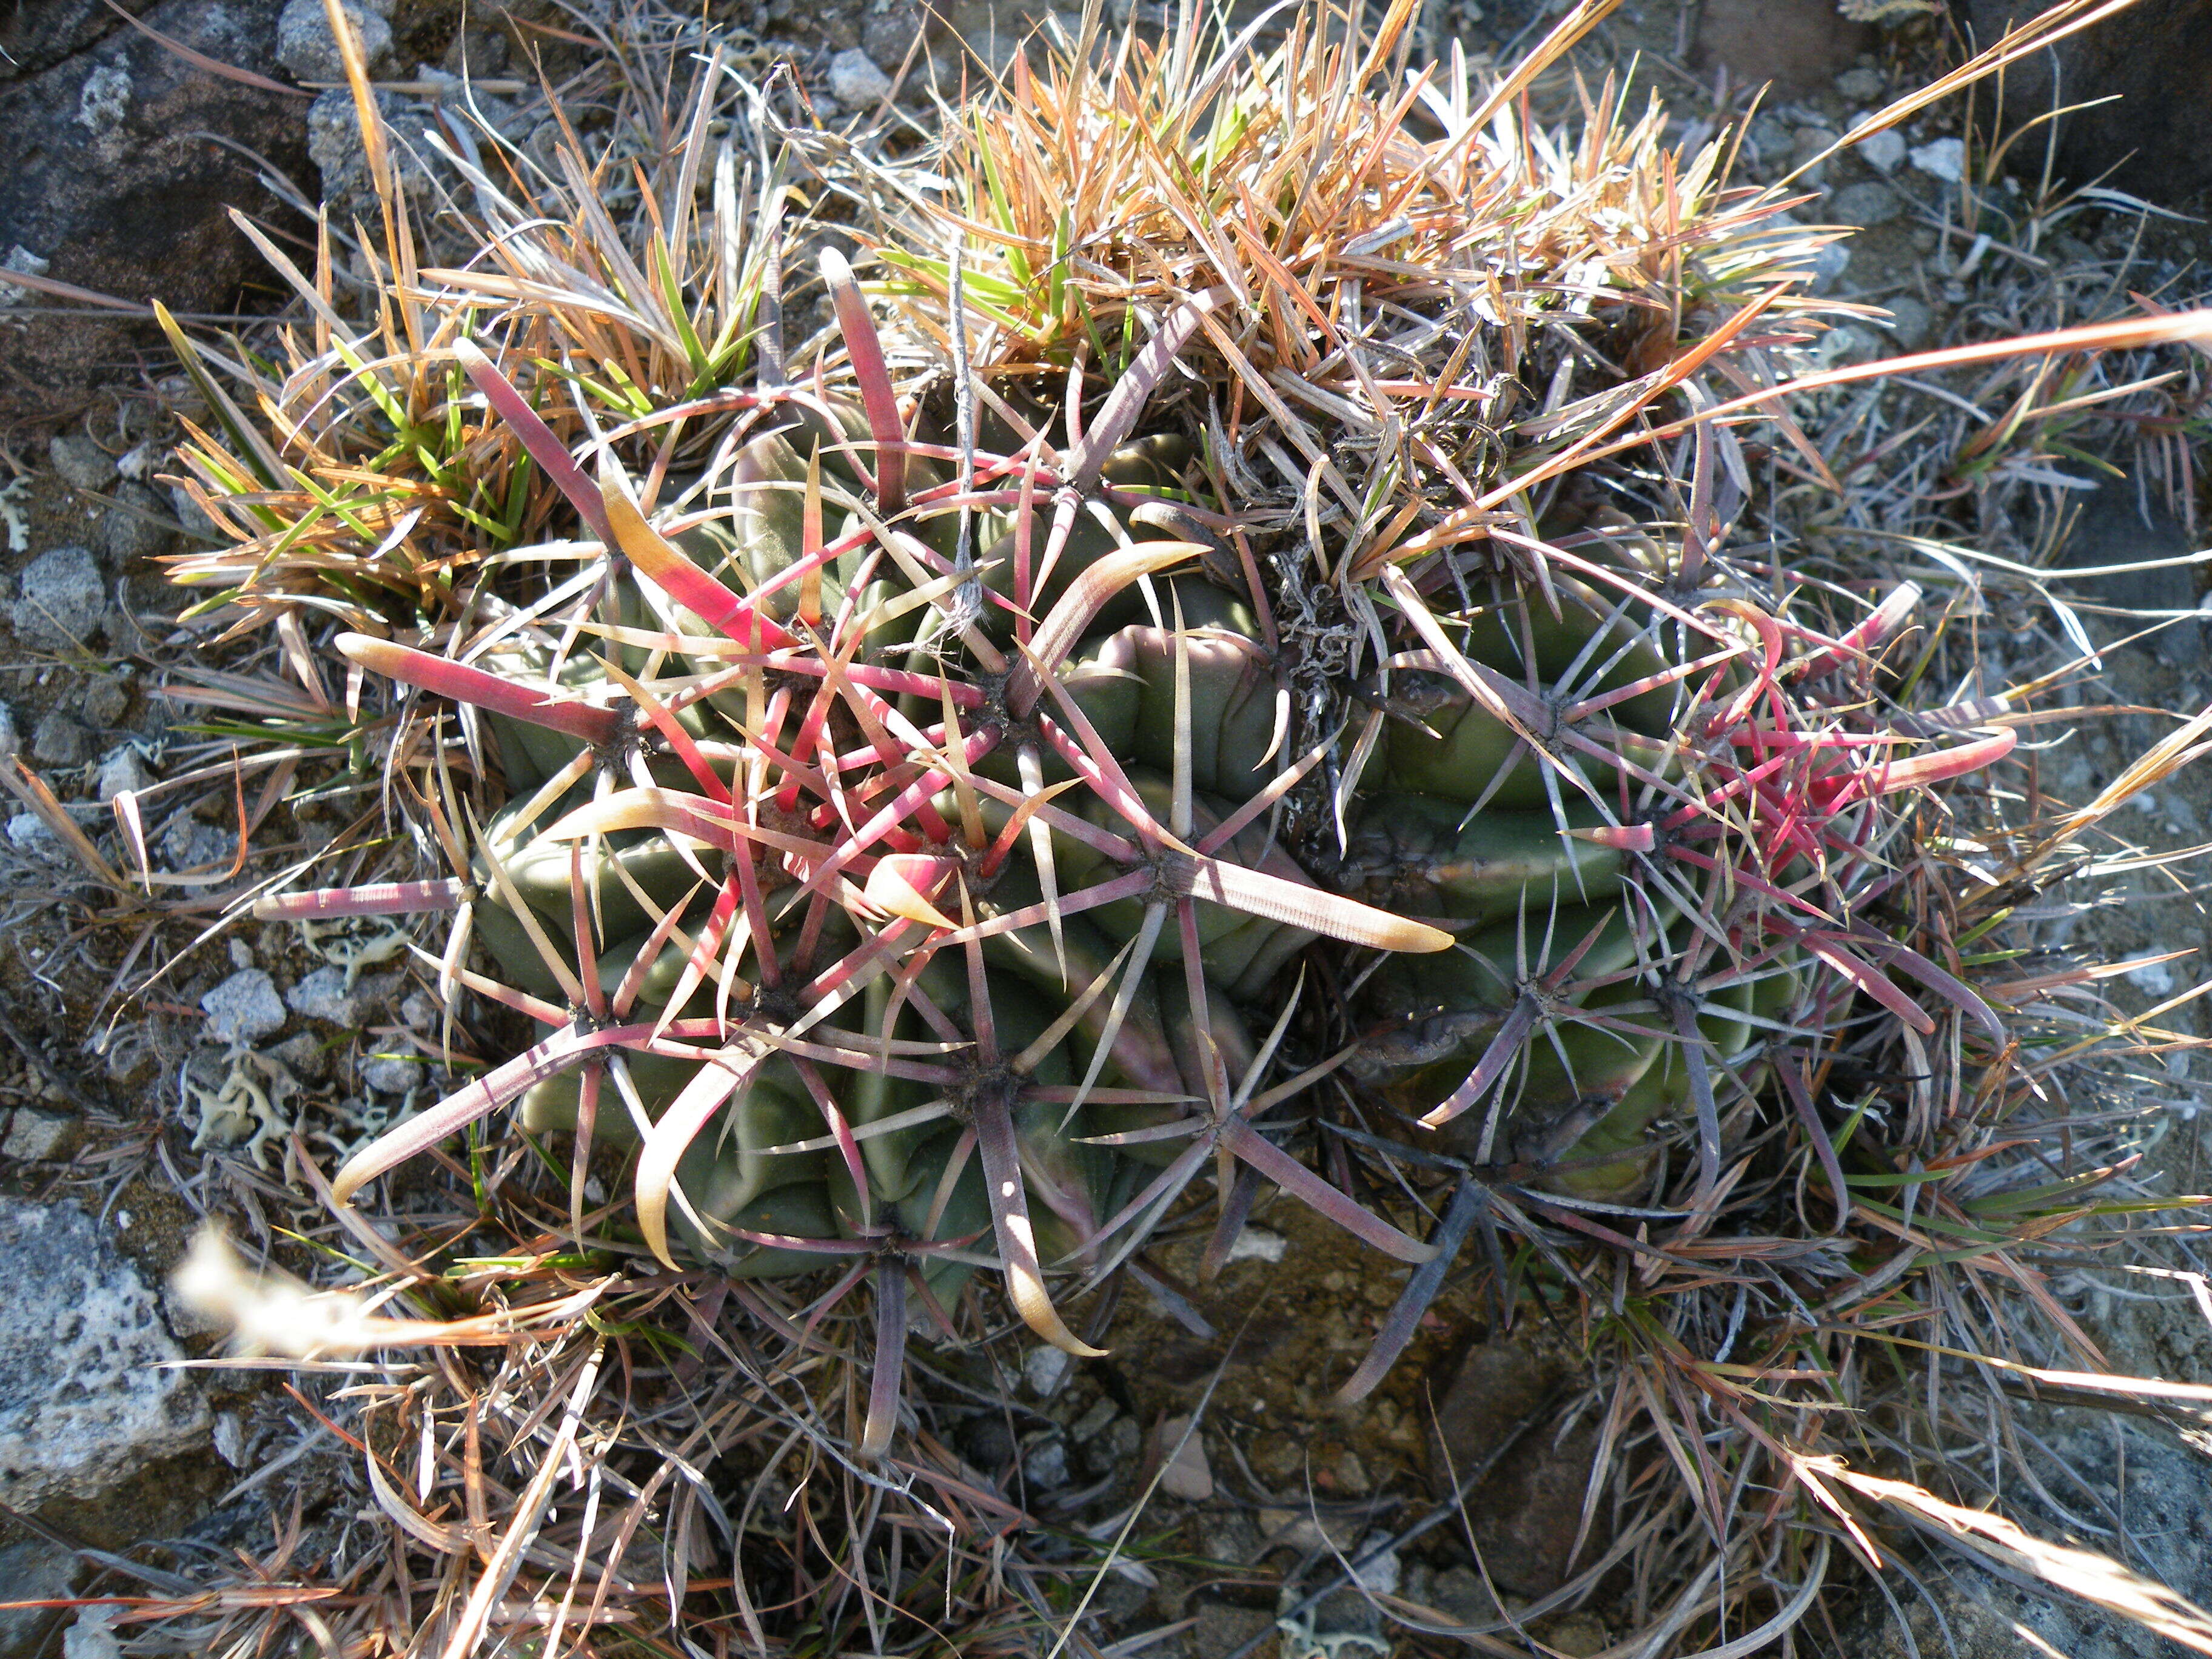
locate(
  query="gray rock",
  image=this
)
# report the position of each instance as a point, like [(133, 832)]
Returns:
[(244, 1008), (856, 81), (2121, 523), (1912, 321), (11, 740), (119, 158), (888, 34), (1869, 204), (28, 837), (188, 844), (335, 146), (63, 600), (137, 526), (1044, 1369), (304, 1056), (2134, 88), (390, 1074), (57, 740), (1883, 151), (1829, 265), (324, 995), (1045, 1465), (80, 463), (122, 770), (83, 1402), (198, 526), (105, 701), (1862, 85), (35, 1571), (306, 45), (31, 1137)]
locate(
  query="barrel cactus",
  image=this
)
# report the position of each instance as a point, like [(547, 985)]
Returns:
[(953, 796)]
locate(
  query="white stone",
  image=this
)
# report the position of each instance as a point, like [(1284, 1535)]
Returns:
[(1944, 158), (1044, 1369), (1883, 151), (230, 1439), (1186, 1475), (90, 1636), (103, 100), (28, 836), (2156, 977), (31, 1137), (1257, 1244), (83, 1401), (1045, 1465), (855, 81), (244, 1008), (122, 770)]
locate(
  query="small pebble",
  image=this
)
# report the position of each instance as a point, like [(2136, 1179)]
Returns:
[(306, 45), (28, 836), (1829, 263), (1045, 1465), (1944, 158), (1257, 1244), (105, 701), (390, 1074), (1862, 85), (1186, 1475), (855, 81), (1911, 320), (122, 770), (324, 995), (1863, 205), (31, 1138), (57, 740), (2156, 977), (1044, 1369), (136, 527), (80, 463), (64, 599), (1883, 151), (244, 1008)]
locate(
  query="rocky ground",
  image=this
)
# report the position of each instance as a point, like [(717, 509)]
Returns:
[(157, 1060)]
